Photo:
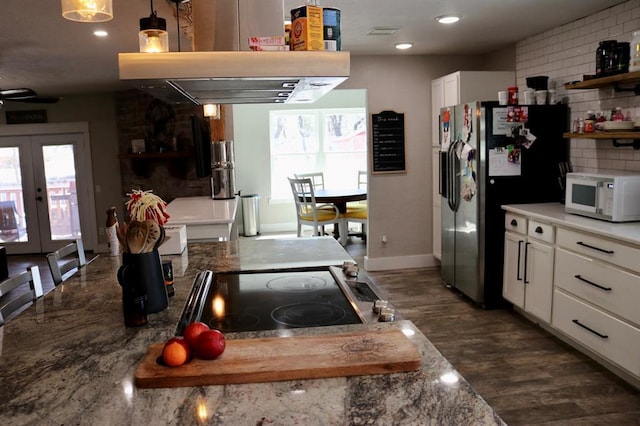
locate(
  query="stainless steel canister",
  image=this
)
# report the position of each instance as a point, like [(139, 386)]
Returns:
[(223, 178)]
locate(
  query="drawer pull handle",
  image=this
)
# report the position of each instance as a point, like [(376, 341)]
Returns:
[(592, 283), (595, 248), (539, 230), (526, 260), (514, 222), (604, 336)]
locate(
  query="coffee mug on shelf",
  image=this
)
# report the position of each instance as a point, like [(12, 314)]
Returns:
[(551, 97), (528, 97), (541, 97), (503, 97)]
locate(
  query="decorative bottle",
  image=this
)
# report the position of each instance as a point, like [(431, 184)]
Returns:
[(111, 229)]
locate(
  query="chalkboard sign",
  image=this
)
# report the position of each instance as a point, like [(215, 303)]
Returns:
[(387, 142)]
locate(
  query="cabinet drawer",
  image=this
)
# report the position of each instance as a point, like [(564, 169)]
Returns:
[(599, 248), (618, 342), (515, 223), (612, 289), (541, 231)]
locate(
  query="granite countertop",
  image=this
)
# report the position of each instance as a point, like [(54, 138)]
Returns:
[(69, 360), (628, 232)]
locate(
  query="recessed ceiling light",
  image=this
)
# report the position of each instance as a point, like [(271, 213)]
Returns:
[(404, 46), (100, 33), (448, 19)]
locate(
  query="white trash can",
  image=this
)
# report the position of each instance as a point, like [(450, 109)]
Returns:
[(250, 214)]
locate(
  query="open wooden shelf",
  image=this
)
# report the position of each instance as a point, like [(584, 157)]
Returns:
[(154, 155), (612, 136), (615, 81)]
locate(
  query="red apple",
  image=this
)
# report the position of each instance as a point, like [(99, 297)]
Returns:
[(210, 344), (175, 352), (192, 331)]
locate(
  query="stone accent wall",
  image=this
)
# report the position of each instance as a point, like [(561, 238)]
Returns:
[(168, 165)]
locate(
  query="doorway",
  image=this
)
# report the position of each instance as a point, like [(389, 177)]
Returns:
[(46, 196)]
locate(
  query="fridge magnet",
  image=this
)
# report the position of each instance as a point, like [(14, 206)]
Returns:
[(466, 123), (513, 154), (517, 114), (445, 129)]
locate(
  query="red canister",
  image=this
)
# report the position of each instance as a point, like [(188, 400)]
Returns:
[(513, 95)]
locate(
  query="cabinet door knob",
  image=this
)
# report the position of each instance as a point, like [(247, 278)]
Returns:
[(539, 230), (514, 222)]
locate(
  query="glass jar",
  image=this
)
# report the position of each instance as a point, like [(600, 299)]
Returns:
[(604, 56), (634, 52), (620, 63)]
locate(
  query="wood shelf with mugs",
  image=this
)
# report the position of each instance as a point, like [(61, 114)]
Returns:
[(615, 81)]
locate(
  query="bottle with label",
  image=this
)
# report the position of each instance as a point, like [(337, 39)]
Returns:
[(617, 115), (111, 230), (634, 52), (589, 122)]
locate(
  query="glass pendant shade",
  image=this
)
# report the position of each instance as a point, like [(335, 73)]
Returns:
[(87, 10), (153, 36)]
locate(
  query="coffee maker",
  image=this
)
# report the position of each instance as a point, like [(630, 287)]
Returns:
[(223, 178)]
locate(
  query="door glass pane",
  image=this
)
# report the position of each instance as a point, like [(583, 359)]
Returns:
[(60, 175), (13, 226)]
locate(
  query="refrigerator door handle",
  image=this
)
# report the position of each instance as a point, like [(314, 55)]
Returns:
[(453, 192)]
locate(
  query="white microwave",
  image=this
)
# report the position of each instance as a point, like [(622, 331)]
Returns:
[(612, 197)]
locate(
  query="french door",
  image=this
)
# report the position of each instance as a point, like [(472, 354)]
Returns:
[(45, 189)]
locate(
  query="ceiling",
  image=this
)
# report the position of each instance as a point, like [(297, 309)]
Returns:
[(56, 57)]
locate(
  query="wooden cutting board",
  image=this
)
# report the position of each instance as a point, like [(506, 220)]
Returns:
[(287, 358)]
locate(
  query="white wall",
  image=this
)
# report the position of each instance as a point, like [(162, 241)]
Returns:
[(252, 154), (567, 53)]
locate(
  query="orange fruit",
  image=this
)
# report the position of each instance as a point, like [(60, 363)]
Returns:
[(175, 352)]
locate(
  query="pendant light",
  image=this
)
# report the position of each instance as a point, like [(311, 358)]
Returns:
[(153, 36), (87, 10)]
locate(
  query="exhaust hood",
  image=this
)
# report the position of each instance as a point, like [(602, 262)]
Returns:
[(236, 77)]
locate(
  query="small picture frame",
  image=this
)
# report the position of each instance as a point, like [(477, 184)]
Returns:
[(138, 145)]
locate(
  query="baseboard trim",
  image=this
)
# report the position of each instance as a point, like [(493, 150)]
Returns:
[(400, 262)]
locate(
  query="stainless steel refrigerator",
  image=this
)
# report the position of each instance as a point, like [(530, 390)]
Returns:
[(493, 155)]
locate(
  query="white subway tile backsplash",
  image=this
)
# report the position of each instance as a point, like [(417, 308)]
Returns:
[(567, 53)]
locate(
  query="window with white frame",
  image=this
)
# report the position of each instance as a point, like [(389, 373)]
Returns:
[(332, 141)]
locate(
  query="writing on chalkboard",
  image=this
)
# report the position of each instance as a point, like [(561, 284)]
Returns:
[(387, 153)]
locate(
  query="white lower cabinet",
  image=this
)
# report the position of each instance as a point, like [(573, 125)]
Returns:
[(583, 285), (528, 267), (610, 337)]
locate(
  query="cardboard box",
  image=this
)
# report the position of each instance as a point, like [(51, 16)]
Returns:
[(307, 32), (177, 241)]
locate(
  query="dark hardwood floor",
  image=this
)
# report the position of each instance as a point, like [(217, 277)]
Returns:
[(529, 376)]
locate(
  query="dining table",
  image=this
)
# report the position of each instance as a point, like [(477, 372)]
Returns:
[(340, 198)]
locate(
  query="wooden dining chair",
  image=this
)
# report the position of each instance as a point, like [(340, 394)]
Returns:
[(317, 178), (308, 212), (14, 294), (67, 260), (358, 211)]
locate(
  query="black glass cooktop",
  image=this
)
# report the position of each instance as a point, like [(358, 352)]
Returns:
[(267, 301)]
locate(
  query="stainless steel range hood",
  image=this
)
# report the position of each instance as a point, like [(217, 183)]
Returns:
[(236, 77)]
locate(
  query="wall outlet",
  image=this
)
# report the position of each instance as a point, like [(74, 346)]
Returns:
[(384, 240)]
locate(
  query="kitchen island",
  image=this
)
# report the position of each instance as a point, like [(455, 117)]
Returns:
[(69, 360)]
